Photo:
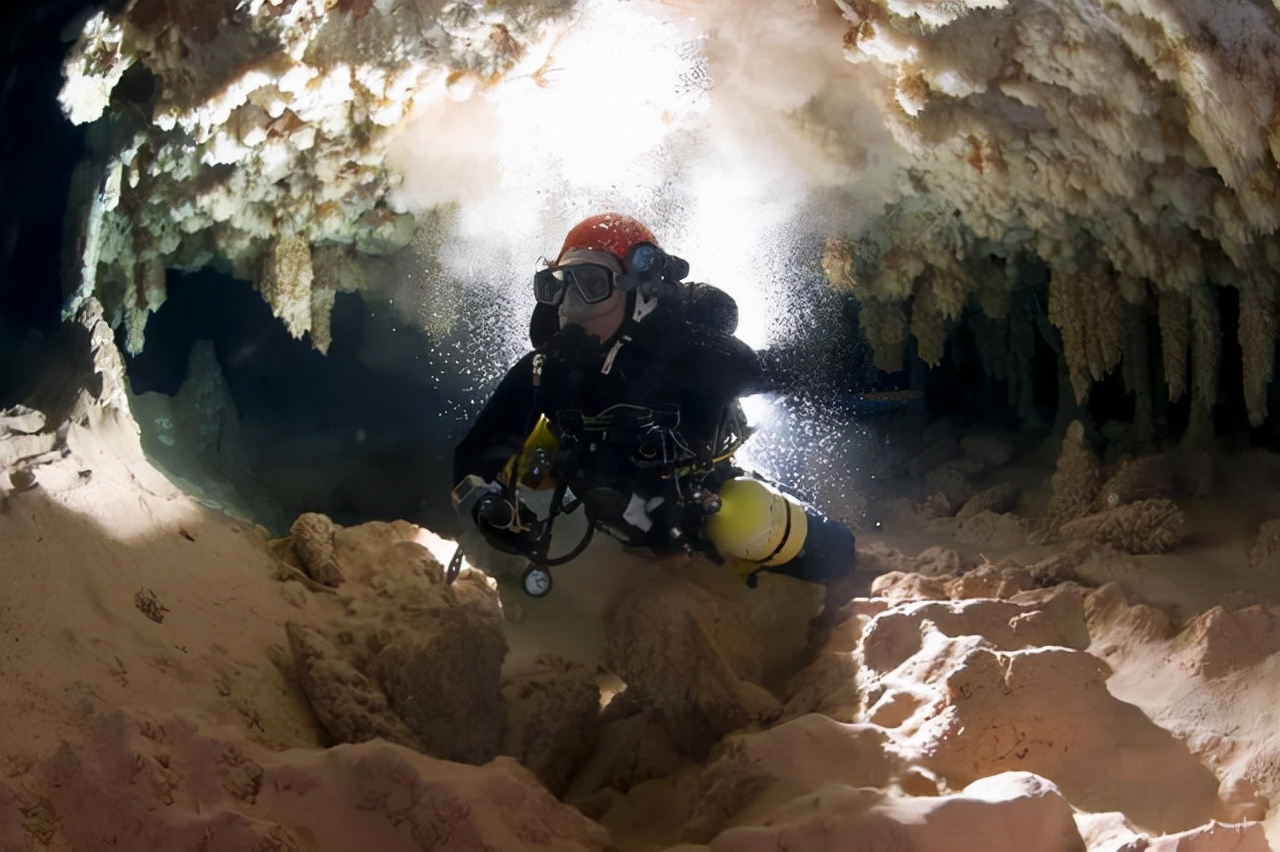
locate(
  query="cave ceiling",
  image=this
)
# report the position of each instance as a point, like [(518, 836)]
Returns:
[(1124, 151)]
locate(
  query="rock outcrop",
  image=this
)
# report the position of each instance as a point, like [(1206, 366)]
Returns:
[(698, 664), (426, 673)]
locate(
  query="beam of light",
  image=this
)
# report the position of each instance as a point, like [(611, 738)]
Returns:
[(685, 115), (704, 120)]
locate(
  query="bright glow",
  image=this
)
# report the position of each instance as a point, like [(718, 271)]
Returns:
[(441, 549), (717, 126), (693, 117)]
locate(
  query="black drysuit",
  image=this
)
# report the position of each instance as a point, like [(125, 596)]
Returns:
[(662, 362), (666, 361)]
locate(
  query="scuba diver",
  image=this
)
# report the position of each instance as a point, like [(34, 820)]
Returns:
[(628, 407)]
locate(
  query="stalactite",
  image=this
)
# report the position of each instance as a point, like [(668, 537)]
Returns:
[(1132, 289), (930, 331), (946, 289), (321, 313), (991, 339), (144, 295), (940, 297), (1174, 310), (1144, 134), (1136, 369), (885, 326), (837, 266), (285, 282), (995, 280), (899, 270), (336, 270), (1087, 309), (1206, 353), (1022, 352), (1258, 328)]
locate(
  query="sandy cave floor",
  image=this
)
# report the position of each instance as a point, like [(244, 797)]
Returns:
[(126, 607)]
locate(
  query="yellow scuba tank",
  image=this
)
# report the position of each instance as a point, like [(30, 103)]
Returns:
[(758, 523), (533, 464)]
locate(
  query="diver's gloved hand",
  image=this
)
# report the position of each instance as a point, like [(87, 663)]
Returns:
[(505, 527), (779, 372), (511, 529)]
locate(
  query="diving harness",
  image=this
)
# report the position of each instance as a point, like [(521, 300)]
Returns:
[(628, 467)]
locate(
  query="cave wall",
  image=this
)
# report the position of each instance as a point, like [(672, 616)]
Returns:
[(1130, 146), (1087, 176), (253, 136)]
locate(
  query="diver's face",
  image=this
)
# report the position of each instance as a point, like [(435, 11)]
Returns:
[(602, 319)]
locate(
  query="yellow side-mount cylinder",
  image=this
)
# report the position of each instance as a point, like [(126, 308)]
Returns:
[(534, 456), (757, 522)]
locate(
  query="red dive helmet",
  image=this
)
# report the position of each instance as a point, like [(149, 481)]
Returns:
[(630, 242), (642, 266), (611, 232)]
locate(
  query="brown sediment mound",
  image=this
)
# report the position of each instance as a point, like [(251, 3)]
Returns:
[(134, 782), (152, 700)]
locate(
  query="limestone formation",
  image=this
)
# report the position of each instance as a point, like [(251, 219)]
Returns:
[(745, 767), (442, 679), (1144, 526), (990, 581), (1096, 139), (285, 282), (1225, 640), (312, 540), (906, 585), (1026, 812), (1144, 478), (998, 498), (894, 636), (1004, 688), (1113, 608), (1265, 553), (553, 720), (260, 136), (1076, 479), (699, 670), (391, 670), (349, 705), (1206, 354), (1121, 147), (1086, 307), (633, 747), (1259, 330), (885, 325), (1175, 341), (161, 783)]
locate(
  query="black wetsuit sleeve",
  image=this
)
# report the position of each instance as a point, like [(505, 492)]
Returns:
[(777, 372), (501, 427), (723, 364)]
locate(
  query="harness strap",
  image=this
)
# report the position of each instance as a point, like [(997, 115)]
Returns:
[(613, 353), (786, 534), (538, 361)]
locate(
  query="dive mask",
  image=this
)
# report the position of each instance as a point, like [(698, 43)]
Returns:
[(594, 282), (596, 279)]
